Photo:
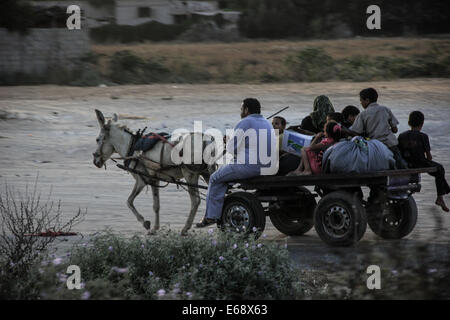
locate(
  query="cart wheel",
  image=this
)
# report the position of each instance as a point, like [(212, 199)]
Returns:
[(340, 219), (243, 212), (393, 220), (294, 218)]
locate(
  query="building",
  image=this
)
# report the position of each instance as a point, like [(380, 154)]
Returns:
[(134, 12)]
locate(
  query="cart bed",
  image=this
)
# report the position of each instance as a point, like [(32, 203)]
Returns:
[(387, 177)]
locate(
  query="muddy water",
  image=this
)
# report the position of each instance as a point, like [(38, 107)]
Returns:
[(50, 131)]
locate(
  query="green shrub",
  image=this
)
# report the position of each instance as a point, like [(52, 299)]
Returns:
[(311, 64), (186, 72), (268, 77), (314, 64), (126, 67), (168, 266), (360, 68)]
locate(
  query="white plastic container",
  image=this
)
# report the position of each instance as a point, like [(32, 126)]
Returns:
[(294, 142)]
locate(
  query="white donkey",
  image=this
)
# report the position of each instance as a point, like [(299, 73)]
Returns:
[(114, 138)]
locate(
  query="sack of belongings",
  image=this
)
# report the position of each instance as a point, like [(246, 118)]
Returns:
[(357, 156)]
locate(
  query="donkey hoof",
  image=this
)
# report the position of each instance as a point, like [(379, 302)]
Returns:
[(147, 224)]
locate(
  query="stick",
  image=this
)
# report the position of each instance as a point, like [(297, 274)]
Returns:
[(277, 113)]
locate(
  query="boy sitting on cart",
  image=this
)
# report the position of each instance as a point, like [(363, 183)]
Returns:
[(415, 148), (377, 122)]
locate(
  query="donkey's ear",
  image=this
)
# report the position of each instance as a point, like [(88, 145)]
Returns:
[(100, 118), (115, 117)]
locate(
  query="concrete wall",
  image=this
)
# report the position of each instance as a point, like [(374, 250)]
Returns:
[(41, 49)]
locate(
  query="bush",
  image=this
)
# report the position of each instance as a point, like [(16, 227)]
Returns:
[(22, 216), (184, 71), (360, 68), (168, 266), (311, 64), (128, 68), (314, 64)]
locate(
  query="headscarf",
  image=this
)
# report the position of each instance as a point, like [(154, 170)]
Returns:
[(322, 107)]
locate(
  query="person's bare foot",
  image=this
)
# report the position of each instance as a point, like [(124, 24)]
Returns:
[(305, 173), (440, 202), (294, 173)]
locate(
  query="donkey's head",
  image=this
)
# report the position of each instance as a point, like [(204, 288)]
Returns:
[(104, 146)]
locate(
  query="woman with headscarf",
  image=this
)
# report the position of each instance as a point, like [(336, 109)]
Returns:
[(314, 123), (311, 125)]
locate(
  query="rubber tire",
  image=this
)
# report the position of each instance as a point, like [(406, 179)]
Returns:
[(375, 221), (358, 219), (250, 202), (283, 223)]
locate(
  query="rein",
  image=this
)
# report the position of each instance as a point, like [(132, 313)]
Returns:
[(163, 139)]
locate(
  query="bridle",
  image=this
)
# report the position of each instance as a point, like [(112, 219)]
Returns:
[(99, 153), (134, 138)]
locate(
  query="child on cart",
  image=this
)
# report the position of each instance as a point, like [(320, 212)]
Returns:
[(377, 122), (287, 161), (415, 148), (311, 157)]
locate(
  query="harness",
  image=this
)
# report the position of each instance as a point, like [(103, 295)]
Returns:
[(148, 178), (134, 139)]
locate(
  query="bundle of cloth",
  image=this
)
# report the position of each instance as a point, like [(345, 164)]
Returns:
[(357, 156), (149, 140)]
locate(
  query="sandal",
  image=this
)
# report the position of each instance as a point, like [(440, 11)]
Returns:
[(205, 222), (442, 205)]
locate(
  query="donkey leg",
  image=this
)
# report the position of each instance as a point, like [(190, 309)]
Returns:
[(138, 187), (195, 199), (155, 193)]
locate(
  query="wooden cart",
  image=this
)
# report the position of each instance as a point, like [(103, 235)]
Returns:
[(341, 215)]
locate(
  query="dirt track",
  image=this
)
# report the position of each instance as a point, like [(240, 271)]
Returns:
[(51, 131)]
